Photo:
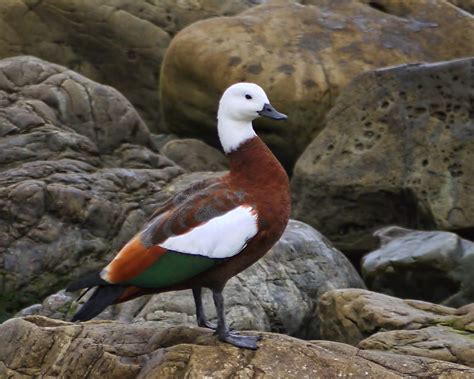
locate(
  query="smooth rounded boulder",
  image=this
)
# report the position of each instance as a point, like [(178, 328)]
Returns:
[(302, 55)]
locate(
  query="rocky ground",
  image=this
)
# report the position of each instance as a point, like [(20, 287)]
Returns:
[(106, 111)]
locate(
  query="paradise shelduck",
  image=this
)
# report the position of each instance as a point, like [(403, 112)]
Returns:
[(209, 232)]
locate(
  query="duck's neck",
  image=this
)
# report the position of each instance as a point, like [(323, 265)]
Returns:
[(233, 133), (253, 164)]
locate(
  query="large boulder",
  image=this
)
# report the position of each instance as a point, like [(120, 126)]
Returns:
[(396, 150), (279, 293), (38, 346), (432, 266), (78, 177), (302, 55), (116, 42), (375, 321)]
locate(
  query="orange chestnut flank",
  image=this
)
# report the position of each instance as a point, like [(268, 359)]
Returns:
[(209, 232)]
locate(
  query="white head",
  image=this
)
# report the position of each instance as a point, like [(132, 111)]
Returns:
[(240, 104)]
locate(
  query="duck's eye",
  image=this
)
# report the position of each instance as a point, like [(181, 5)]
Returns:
[(248, 97)]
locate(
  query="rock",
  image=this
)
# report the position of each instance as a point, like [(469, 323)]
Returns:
[(431, 266), (437, 342), (279, 293), (466, 5), (375, 321), (78, 177), (303, 69), (120, 43), (194, 155), (40, 346), (395, 151), (351, 315)]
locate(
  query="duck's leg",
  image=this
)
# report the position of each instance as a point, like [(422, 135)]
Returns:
[(223, 332), (200, 315)]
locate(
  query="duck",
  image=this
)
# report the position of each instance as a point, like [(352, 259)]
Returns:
[(209, 232)]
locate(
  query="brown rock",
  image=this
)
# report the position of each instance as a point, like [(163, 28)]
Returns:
[(373, 321), (395, 151), (78, 177), (437, 342), (39, 346), (194, 155), (302, 55), (466, 5), (119, 42), (351, 315)]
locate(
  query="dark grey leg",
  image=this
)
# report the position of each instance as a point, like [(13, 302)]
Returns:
[(201, 317), (223, 332)]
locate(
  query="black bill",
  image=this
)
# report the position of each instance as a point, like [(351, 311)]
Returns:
[(270, 112)]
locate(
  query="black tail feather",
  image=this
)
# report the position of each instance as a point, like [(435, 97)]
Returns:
[(87, 281), (100, 299)]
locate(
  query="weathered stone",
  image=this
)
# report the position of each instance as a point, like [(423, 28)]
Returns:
[(303, 68), (431, 266), (39, 346), (78, 177), (194, 155), (396, 150), (279, 293), (373, 321), (437, 342), (117, 42)]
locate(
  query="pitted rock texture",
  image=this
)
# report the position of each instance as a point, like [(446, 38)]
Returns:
[(375, 321), (78, 177), (396, 150), (38, 346), (302, 55), (117, 42), (431, 266), (279, 293), (194, 155)]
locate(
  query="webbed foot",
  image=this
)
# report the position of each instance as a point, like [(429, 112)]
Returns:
[(206, 324)]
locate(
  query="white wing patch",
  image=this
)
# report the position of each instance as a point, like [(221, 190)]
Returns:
[(220, 237)]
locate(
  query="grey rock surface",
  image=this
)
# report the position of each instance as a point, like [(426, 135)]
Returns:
[(396, 150), (426, 265), (78, 177)]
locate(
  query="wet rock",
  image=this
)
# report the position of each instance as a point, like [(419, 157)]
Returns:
[(324, 46), (431, 266), (37, 345), (395, 151), (194, 155), (78, 177), (375, 321), (279, 293), (119, 42)]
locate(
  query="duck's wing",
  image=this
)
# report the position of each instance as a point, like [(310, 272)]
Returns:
[(182, 196), (187, 239)]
